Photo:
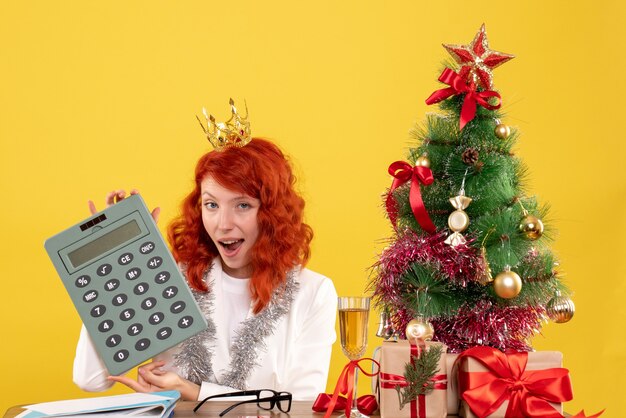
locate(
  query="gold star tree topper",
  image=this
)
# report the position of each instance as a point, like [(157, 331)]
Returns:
[(477, 60)]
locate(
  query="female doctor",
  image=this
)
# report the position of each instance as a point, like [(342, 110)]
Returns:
[(241, 242)]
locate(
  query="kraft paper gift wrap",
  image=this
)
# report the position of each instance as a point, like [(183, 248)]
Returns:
[(542, 360), (454, 400), (394, 357)]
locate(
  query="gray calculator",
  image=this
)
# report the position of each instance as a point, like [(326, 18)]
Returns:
[(125, 284)]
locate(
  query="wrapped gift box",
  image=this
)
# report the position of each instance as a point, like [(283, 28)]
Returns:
[(394, 357), (453, 398), (548, 361)]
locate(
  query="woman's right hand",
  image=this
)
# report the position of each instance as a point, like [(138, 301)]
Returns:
[(151, 378), (117, 195)]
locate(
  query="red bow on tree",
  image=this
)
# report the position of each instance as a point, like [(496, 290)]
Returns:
[(403, 172), (472, 97)]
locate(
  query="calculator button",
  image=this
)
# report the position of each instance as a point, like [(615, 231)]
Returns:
[(83, 281), (142, 344), (141, 288), (146, 247), (133, 273), (164, 333), (162, 277), (104, 269), (90, 296), (105, 325), (185, 322), (125, 259), (120, 356), (119, 300), (113, 340), (156, 318), (155, 262), (111, 285), (177, 307), (98, 311), (148, 303), (135, 329), (127, 314), (170, 292)]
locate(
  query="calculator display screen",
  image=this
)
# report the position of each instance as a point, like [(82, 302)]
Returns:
[(106, 242)]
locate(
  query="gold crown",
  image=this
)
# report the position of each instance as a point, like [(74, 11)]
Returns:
[(235, 132)]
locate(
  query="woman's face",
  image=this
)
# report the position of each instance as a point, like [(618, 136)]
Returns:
[(230, 219)]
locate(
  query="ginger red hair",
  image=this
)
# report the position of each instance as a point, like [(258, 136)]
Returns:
[(259, 170)]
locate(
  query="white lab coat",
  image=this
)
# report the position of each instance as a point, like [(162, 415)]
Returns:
[(295, 357)]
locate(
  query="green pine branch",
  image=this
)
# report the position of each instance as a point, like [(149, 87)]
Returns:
[(428, 292), (419, 375)]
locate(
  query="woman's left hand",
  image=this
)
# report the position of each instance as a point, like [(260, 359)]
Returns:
[(151, 378)]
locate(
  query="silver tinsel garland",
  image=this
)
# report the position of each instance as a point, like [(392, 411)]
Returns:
[(194, 359)]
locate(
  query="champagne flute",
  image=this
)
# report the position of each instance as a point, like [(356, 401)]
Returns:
[(353, 315)]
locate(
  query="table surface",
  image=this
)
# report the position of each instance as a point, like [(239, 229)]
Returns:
[(299, 409)]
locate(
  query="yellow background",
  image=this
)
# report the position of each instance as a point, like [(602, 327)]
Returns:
[(103, 95)]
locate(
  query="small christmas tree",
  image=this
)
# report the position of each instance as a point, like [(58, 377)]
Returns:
[(470, 261)]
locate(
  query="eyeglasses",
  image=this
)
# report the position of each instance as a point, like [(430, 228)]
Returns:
[(265, 399)]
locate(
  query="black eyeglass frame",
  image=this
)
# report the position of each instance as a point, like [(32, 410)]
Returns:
[(273, 400)]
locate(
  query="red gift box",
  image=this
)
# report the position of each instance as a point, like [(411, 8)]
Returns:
[(394, 357), (493, 384)]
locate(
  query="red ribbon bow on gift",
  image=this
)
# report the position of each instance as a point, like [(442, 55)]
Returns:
[(528, 391), (403, 172), (472, 97), (366, 404), (345, 385)]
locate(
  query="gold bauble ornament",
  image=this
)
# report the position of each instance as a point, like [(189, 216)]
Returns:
[(531, 227), (560, 309), (507, 284), (502, 131), (420, 329), (422, 161)]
